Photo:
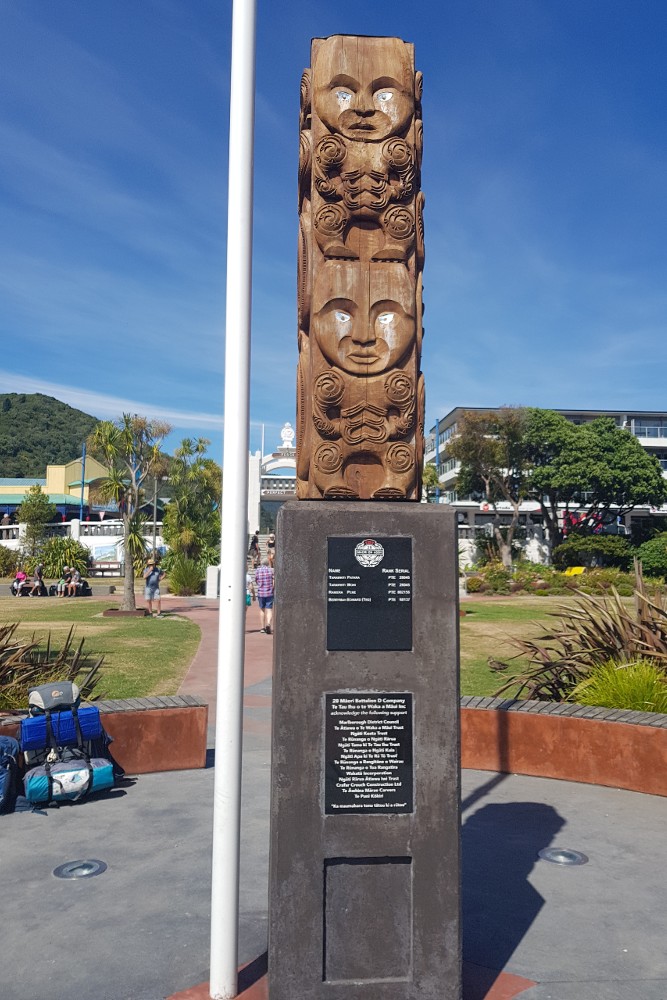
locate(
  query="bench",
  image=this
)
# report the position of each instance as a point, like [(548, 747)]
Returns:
[(106, 567)]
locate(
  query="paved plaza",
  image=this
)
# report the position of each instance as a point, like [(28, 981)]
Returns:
[(140, 930)]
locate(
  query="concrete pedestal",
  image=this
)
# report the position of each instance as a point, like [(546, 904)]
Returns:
[(365, 814)]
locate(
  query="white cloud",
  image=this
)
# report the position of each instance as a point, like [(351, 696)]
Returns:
[(111, 407)]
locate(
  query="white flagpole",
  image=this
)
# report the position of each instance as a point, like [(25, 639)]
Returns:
[(229, 700)]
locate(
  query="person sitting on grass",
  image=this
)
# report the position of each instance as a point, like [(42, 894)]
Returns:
[(152, 576)]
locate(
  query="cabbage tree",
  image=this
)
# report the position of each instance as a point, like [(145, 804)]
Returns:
[(130, 450)]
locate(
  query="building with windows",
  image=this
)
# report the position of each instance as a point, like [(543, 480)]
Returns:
[(62, 484), (649, 427), (271, 481)]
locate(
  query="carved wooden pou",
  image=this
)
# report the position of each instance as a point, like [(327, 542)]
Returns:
[(360, 393)]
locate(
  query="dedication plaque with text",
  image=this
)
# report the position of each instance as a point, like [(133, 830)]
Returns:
[(368, 753), (369, 593)]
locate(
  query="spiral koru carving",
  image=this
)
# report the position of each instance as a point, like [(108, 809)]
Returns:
[(399, 223), (305, 95), (330, 220), (397, 153), (329, 388), (331, 152), (328, 458), (305, 164), (398, 388), (303, 274), (419, 91), (419, 141), (419, 210), (400, 457)]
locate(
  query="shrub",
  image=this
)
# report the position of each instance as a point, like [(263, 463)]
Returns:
[(497, 578), (640, 686), (58, 552), (9, 560), (474, 585), (588, 634), (653, 555), (24, 664), (593, 550), (186, 576)]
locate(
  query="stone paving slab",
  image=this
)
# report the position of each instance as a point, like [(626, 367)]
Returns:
[(141, 929)]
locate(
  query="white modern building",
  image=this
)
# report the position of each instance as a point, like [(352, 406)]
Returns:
[(271, 481), (649, 427)]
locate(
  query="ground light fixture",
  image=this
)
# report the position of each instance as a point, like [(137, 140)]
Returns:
[(562, 856), (80, 869)]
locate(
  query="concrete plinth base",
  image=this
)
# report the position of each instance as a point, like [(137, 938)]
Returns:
[(364, 871)]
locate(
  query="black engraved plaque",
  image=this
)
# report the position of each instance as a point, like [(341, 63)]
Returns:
[(369, 593), (368, 753)]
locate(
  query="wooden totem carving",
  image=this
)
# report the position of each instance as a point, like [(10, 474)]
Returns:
[(360, 394)]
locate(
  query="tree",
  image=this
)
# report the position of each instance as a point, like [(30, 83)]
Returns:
[(36, 512), (596, 468), (192, 518), (130, 449), (495, 466), (430, 480)]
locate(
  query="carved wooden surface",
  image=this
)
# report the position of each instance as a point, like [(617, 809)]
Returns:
[(360, 394)]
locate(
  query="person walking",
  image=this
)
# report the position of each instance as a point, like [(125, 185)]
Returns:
[(152, 576), (253, 550), (37, 581), (271, 549), (264, 585)]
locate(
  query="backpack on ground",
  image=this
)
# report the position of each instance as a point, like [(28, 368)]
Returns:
[(64, 746), (10, 780)]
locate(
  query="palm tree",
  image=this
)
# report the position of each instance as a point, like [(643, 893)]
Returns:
[(192, 518), (130, 449)]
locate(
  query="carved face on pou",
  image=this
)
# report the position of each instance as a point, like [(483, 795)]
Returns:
[(363, 318), (364, 87)]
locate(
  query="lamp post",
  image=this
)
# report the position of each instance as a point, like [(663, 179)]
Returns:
[(163, 479)]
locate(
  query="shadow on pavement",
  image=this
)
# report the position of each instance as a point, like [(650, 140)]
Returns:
[(500, 846)]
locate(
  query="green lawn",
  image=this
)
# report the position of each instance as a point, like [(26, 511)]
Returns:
[(487, 629), (146, 656), (142, 656)]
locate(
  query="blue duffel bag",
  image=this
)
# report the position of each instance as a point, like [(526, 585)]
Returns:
[(68, 780), (35, 733)]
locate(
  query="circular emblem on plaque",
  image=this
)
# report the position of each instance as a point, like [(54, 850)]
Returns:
[(369, 553)]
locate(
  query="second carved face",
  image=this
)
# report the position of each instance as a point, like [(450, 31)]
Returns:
[(363, 318), (364, 87)]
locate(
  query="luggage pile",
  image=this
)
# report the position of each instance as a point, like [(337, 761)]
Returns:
[(65, 750)]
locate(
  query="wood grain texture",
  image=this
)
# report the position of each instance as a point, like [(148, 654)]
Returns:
[(360, 393)]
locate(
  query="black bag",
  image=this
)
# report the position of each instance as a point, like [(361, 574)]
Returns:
[(10, 781)]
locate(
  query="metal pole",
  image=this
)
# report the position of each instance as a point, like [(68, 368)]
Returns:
[(229, 699), (154, 514), (83, 479)]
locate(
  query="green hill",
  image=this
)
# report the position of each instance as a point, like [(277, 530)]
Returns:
[(36, 431)]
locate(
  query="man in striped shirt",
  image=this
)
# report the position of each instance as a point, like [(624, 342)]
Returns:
[(264, 585)]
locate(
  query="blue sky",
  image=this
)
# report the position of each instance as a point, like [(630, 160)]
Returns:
[(544, 174)]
